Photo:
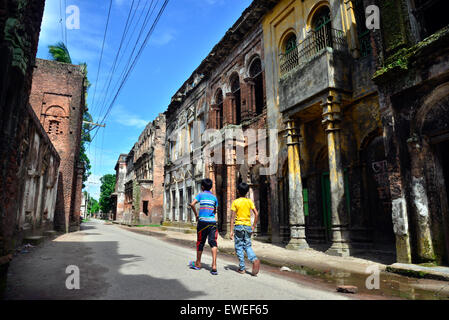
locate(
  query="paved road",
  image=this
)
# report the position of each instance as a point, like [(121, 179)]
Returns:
[(118, 264)]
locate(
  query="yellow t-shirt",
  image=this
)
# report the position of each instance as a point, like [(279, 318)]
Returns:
[(242, 207)]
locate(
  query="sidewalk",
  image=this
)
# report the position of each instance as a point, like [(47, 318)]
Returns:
[(331, 269)]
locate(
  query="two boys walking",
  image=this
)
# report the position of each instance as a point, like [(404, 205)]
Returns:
[(241, 228)]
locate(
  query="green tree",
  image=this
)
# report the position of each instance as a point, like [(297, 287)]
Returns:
[(106, 189), (59, 52)]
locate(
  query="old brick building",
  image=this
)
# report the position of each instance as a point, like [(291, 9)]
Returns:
[(184, 166), (412, 47), (225, 93), (57, 98), (119, 192), (140, 177), (28, 161)]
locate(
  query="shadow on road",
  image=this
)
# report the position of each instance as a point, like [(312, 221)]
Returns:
[(41, 274)]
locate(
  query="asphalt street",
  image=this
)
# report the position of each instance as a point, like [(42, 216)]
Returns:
[(115, 263)]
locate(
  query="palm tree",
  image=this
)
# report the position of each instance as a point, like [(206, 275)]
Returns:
[(59, 52)]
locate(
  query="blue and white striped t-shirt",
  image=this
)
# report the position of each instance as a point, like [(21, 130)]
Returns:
[(208, 203)]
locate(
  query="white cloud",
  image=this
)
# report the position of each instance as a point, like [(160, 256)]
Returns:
[(126, 118)]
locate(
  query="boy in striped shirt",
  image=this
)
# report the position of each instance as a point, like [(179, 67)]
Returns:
[(207, 224)]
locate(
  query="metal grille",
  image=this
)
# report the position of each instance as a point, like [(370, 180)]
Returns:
[(318, 41)]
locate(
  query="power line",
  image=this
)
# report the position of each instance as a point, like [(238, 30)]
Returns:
[(102, 49), (112, 70), (133, 64)]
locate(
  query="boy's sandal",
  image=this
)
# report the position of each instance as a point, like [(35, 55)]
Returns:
[(241, 271), (193, 266), (214, 272)]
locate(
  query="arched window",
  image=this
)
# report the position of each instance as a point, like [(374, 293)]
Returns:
[(289, 56), (219, 103), (362, 32), (290, 43), (235, 89), (255, 72)]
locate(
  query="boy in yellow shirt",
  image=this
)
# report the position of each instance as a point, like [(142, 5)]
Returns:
[(241, 218)]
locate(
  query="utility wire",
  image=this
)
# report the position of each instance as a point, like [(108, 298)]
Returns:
[(101, 54), (121, 77), (136, 58), (112, 70)]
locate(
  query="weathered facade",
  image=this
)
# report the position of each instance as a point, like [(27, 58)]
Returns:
[(119, 192), (331, 189), (413, 79), (224, 97), (139, 187), (149, 156), (28, 161), (184, 166), (57, 97)]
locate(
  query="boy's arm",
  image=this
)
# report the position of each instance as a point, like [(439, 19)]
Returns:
[(192, 205), (256, 216), (232, 224)]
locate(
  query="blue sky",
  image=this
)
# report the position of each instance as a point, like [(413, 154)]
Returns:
[(186, 33)]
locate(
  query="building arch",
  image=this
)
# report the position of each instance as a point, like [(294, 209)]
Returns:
[(256, 74), (315, 11), (289, 37)]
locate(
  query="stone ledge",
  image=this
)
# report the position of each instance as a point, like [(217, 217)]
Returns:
[(416, 271)]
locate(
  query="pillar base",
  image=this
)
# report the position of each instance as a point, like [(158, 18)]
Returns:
[(296, 244), (339, 249)]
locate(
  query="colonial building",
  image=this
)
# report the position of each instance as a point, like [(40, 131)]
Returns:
[(57, 97), (224, 94), (184, 166), (331, 189), (236, 96), (413, 79), (139, 193), (149, 156), (28, 161), (118, 196)]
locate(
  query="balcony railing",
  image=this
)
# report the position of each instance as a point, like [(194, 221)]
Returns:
[(311, 46)]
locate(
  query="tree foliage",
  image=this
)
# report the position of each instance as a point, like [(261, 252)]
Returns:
[(106, 189), (59, 52)]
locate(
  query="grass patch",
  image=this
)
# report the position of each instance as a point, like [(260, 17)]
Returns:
[(148, 225)]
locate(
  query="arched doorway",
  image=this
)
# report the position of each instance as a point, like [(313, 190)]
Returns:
[(377, 195)]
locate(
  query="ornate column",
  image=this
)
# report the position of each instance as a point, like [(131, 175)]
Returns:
[(331, 122), (231, 187), (420, 204), (295, 195)]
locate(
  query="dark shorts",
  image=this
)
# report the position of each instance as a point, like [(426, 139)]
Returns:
[(206, 231)]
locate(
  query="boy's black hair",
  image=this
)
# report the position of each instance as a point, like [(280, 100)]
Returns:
[(207, 184), (243, 189)]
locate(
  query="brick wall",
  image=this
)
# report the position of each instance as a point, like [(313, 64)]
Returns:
[(57, 97)]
